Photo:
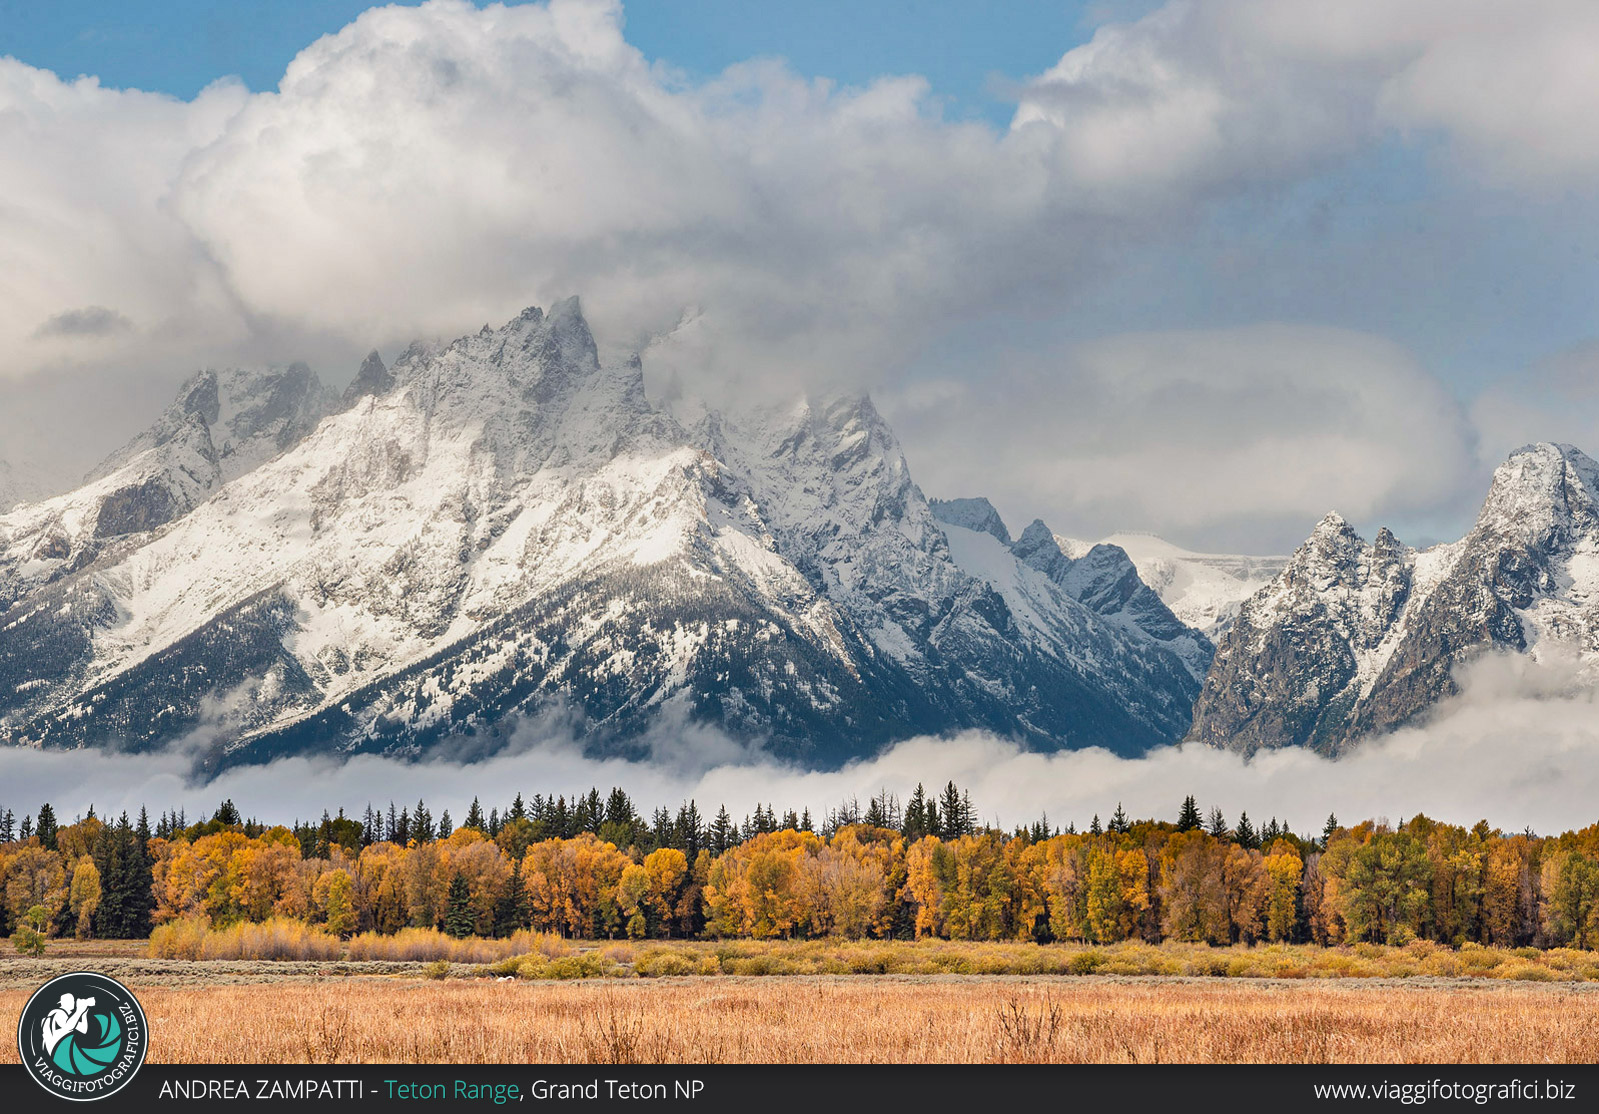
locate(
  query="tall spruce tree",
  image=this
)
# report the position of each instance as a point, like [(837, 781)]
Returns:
[(458, 921), (916, 825), (723, 833), (510, 912), (690, 830), (1188, 819), (952, 813), (1244, 835), (46, 828), (1217, 827)]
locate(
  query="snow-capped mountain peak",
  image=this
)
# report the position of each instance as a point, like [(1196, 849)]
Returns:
[(1353, 639), (499, 523)]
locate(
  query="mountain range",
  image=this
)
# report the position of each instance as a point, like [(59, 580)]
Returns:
[(506, 526)]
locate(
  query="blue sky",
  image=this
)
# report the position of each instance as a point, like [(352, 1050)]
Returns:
[(1365, 248), (968, 51)]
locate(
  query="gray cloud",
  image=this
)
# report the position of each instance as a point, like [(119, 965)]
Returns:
[(425, 170), (90, 321), (1519, 747), (1204, 94), (1222, 434)]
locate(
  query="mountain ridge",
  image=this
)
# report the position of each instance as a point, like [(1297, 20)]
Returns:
[(1353, 638), (502, 524)]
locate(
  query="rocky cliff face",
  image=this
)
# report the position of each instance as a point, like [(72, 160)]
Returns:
[(504, 525), (1353, 638)]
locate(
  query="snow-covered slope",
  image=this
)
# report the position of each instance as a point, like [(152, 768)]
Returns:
[(1354, 638), (503, 524), (1052, 588), (1204, 590), (223, 425)]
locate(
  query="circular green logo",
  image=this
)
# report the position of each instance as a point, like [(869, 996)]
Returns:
[(82, 1036)]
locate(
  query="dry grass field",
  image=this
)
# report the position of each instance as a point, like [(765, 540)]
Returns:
[(892, 1019)]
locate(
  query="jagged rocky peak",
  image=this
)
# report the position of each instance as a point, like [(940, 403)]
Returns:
[(246, 417), (372, 379), (1102, 579), (509, 525), (1544, 495), (972, 514), (1039, 548), (1353, 640)]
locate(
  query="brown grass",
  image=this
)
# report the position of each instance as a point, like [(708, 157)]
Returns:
[(414, 945), (885, 1019), (542, 955)]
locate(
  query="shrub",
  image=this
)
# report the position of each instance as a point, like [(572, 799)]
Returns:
[(29, 938), (1086, 963), (657, 963), (438, 969), (179, 939), (412, 945), (1529, 972), (275, 938)]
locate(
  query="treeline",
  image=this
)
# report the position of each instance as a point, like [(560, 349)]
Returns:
[(594, 867)]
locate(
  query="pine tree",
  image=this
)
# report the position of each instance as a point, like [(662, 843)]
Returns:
[(1118, 821), (458, 908), (661, 829), (619, 809), (46, 828), (510, 912), (1245, 834), (494, 823), (805, 821), (518, 809), (369, 826), (474, 815), (421, 823), (112, 858), (1188, 820), (915, 824), (1218, 825), (1094, 827), (445, 827), (140, 904), (391, 829), (227, 814), (1329, 830), (722, 834), (690, 830), (7, 826), (953, 812), (589, 813), (875, 816)]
